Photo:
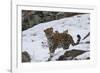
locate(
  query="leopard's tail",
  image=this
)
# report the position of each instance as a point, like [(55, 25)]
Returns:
[(78, 40)]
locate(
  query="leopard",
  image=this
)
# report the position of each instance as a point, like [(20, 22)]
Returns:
[(57, 40)]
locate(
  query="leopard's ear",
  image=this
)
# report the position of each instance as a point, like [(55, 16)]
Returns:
[(51, 28), (56, 31), (44, 30), (66, 31)]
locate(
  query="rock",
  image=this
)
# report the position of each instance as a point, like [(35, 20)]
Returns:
[(61, 58), (70, 55), (31, 18), (26, 57)]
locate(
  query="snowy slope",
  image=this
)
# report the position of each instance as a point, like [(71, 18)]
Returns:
[(35, 43)]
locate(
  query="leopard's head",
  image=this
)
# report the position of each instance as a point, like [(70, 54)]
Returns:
[(48, 31)]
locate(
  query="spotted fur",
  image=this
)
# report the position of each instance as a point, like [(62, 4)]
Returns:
[(58, 40)]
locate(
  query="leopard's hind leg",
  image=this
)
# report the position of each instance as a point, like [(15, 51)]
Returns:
[(66, 46)]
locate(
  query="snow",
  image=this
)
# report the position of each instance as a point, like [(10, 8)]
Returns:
[(34, 40)]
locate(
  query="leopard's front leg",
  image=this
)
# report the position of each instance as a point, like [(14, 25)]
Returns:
[(52, 50)]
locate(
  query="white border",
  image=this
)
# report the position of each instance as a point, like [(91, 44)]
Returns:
[(17, 66)]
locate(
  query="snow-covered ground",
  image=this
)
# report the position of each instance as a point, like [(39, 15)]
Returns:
[(34, 40)]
